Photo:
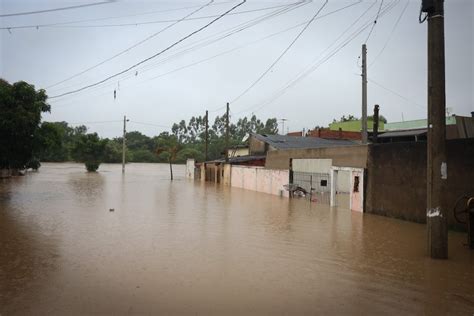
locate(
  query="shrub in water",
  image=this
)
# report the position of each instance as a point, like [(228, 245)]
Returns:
[(92, 166)]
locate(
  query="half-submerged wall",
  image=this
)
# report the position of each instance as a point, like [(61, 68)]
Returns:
[(396, 175), (260, 179)]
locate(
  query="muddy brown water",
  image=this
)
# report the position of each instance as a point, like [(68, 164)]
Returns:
[(183, 247)]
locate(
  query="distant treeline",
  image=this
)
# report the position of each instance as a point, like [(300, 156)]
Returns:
[(25, 140), (59, 141)]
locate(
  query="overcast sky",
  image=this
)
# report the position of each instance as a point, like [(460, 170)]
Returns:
[(168, 88)]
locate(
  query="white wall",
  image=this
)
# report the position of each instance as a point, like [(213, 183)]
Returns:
[(312, 165), (260, 179), (189, 169)]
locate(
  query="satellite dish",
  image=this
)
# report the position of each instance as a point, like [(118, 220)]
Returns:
[(246, 137)]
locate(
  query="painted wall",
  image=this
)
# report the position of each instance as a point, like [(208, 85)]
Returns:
[(342, 156), (354, 126), (396, 179), (260, 179), (189, 169)]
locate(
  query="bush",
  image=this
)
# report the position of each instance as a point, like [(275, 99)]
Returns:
[(92, 166), (34, 164)]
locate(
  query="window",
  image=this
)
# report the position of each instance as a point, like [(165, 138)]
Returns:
[(356, 184)]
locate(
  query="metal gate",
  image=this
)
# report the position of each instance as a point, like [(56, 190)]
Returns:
[(316, 185)]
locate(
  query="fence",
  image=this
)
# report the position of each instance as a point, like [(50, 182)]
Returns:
[(317, 185)]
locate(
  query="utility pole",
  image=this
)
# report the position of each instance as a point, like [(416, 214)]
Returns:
[(123, 142), (283, 125), (364, 94), (437, 172), (227, 134), (207, 136)]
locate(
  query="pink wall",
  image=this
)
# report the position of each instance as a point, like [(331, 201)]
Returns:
[(260, 179)]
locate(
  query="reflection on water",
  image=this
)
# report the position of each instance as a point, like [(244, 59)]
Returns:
[(184, 247)]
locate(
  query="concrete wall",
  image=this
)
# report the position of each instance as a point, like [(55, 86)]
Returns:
[(256, 146), (396, 179), (344, 156), (312, 165), (189, 169), (260, 179)]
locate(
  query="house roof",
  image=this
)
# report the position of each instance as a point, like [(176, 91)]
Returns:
[(240, 159), (295, 142), (405, 133)]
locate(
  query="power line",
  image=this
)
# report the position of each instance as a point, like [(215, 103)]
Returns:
[(151, 124), (153, 56), (131, 47), (57, 9), (375, 22), (95, 122), (397, 94), (105, 18), (282, 54), (66, 24), (316, 64), (230, 32), (190, 49), (391, 33)]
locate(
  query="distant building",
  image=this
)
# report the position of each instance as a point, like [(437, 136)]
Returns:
[(354, 126), (331, 134), (238, 151), (416, 130), (414, 124), (261, 144)]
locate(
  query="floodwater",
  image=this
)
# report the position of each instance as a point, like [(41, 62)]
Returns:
[(183, 247)]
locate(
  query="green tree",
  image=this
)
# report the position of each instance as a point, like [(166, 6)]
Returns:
[(167, 147), (113, 152), (21, 107), (89, 149)]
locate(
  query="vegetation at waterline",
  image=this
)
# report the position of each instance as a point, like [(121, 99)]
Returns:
[(186, 140), (21, 107), (25, 140)]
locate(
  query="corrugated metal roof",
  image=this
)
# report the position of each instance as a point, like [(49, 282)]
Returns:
[(407, 133), (295, 142)]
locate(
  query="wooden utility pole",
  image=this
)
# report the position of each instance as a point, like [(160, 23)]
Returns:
[(364, 94), (123, 142), (207, 136), (227, 134), (437, 170)]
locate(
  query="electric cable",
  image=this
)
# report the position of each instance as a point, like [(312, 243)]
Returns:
[(391, 33), (106, 18), (316, 64), (231, 31), (153, 56), (131, 47), (57, 9), (375, 22), (396, 93), (134, 24), (282, 54)]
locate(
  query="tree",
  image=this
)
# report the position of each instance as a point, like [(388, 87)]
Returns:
[(21, 107), (51, 146), (343, 118), (113, 152), (168, 147), (89, 149)]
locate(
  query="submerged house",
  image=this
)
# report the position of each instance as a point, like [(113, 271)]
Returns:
[(381, 178)]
